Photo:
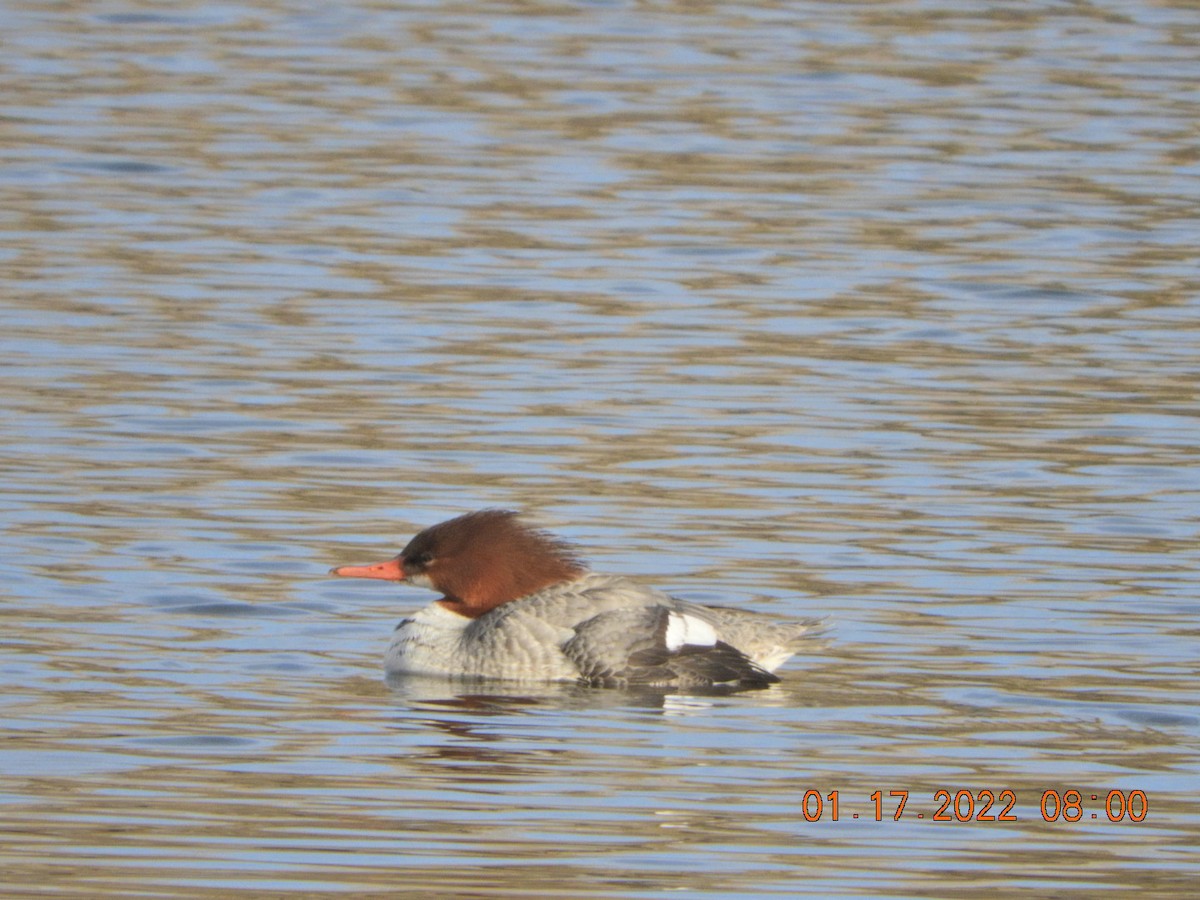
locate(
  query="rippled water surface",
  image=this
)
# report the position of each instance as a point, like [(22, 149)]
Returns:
[(886, 312)]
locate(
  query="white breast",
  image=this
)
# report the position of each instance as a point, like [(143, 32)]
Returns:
[(427, 643)]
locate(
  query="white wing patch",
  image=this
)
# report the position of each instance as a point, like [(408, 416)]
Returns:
[(683, 629)]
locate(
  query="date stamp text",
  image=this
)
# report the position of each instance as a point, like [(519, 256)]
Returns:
[(1068, 805)]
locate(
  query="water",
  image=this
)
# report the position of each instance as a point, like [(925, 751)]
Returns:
[(885, 313)]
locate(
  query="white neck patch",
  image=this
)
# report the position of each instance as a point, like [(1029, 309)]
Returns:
[(420, 579)]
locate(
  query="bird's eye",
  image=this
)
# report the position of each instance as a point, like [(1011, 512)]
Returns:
[(421, 560)]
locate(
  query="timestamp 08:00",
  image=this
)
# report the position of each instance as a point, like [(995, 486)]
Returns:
[(982, 806)]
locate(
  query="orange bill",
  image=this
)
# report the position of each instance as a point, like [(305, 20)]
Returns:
[(392, 570)]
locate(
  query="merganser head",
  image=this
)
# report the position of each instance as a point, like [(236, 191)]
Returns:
[(478, 561)]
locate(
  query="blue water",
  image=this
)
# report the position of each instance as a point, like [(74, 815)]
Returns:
[(882, 314)]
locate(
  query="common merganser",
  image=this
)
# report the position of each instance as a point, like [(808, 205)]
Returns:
[(518, 604)]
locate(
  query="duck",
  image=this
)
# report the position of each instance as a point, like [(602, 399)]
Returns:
[(518, 604)]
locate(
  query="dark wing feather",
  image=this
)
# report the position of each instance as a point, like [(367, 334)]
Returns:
[(629, 647)]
